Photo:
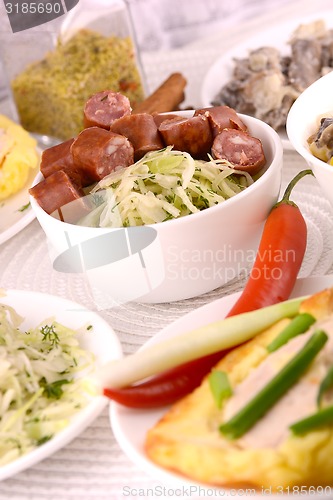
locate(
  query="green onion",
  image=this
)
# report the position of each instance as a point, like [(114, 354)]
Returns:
[(298, 325), (326, 384), (170, 352), (319, 419), (220, 386), (24, 207), (240, 423)]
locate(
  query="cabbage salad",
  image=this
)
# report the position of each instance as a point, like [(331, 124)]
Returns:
[(163, 185), (39, 391)]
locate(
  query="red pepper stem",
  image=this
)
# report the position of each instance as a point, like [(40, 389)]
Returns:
[(290, 187)]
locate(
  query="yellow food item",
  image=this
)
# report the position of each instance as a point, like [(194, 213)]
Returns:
[(321, 143), (50, 94), (322, 152), (18, 155), (187, 439)]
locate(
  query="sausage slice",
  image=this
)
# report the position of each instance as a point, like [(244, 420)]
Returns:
[(59, 157), (102, 108), (221, 117), (142, 132), (56, 158), (59, 192), (192, 135), (98, 152), (241, 149)]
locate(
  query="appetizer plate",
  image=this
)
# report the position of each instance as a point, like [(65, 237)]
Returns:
[(131, 425), (277, 36), (16, 212), (35, 307)]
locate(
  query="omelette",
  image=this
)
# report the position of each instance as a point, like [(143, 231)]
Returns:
[(18, 156), (188, 439)]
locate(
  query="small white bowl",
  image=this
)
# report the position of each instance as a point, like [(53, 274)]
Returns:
[(176, 259), (303, 121)]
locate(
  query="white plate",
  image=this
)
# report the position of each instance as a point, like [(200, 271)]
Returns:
[(15, 213), (101, 340), (277, 36), (130, 426)]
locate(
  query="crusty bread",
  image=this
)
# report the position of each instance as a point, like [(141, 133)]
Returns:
[(187, 439)]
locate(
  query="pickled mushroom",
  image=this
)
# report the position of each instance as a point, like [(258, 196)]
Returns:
[(321, 143)]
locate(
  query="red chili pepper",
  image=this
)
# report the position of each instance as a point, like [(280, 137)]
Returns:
[(167, 387), (279, 257), (272, 278)]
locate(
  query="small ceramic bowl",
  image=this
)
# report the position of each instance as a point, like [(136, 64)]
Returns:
[(175, 259), (303, 121)]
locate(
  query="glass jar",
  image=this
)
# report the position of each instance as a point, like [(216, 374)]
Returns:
[(107, 17), (94, 50)]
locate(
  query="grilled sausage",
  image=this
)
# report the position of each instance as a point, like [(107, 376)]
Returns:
[(59, 193), (221, 117), (104, 107), (142, 132), (98, 152), (242, 150), (192, 135), (56, 158), (59, 157)]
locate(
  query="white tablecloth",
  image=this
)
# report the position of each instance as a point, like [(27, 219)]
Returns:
[(93, 466)]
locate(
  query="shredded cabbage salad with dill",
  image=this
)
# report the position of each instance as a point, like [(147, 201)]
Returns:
[(163, 185), (38, 389)]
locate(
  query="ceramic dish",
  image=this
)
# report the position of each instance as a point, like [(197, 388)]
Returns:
[(175, 259), (100, 339), (277, 36), (303, 121), (130, 426)]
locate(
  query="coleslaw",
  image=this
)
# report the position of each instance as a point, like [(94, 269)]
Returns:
[(39, 391), (163, 185)]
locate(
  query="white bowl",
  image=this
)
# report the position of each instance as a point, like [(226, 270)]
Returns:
[(303, 121), (176, 259)]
